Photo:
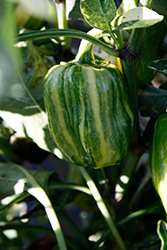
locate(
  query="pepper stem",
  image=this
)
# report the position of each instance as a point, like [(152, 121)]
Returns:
[(102, 207), (85, 54)]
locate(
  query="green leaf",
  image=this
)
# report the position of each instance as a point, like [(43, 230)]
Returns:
[(9, 177), (159, 65), (162, 233), (73, 11), (99, 13), (10, 201), (11, 174), (44, 177), (156, 208), (59, 199), (138, 17), (22, 103), (152, 101), (27, 182)]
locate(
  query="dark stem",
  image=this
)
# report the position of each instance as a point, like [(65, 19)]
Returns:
[(129, 62), (128, 169), (129, 56)]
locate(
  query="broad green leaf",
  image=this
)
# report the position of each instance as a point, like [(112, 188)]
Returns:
[(152, 101), (156, 208), (11, 176), (99, 13), (162, 233), (27, 182), (9, 201), (33, 187), (159, 65), (73, 11), (12, 182), (138, 17), (59, 199), (22, 103)]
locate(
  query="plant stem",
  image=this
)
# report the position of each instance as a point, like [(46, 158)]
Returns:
[(62, 22), (42, 197), (129, 63), (78, 234), (27, 227), (102, 207), (128, 168), (70, 186), (105, 184), (128, 69), (39, 193), (52, 33), (85, 54)]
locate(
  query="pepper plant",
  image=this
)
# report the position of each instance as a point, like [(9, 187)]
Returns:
[(83, 89)]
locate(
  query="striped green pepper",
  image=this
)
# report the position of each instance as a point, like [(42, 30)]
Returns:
[(88, 111), (158, 158)]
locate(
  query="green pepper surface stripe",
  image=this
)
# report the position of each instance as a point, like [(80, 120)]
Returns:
[(87, 114), (158, 158)]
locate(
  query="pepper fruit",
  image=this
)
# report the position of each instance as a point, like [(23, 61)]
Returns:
[(158, 158), (88, 110)]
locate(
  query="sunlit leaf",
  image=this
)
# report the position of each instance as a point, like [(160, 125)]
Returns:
[(73, 11), (99, 13), (12, 175), (139, 17), (22, 103)]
